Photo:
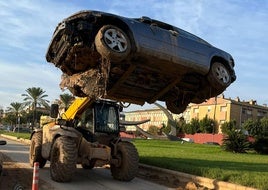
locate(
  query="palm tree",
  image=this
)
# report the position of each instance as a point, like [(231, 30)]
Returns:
[(35, 97), (15, 108), (66, 99)]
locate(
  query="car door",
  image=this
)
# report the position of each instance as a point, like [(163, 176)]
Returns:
[(193, 51), (153, 38)]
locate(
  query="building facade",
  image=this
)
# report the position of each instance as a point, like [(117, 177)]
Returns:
[(218, 108)]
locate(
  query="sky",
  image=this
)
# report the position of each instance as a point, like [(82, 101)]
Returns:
[(239, 27)]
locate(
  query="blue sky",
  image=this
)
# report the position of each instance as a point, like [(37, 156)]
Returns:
[(239, 27)]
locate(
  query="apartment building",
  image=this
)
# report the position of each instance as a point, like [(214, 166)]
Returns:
[(218, 108)]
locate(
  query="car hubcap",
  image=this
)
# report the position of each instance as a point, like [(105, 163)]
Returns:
[(222, 74), (115, 40)]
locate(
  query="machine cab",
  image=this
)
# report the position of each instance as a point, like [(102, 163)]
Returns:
[(102, 117)]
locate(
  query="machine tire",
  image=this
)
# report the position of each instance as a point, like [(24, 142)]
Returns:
[(129, 162), (90, 166), (113, 43), (219, 76), (63, 159), (35, 153)]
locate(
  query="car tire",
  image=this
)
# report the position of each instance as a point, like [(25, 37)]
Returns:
[(219, 76), (113, 43), (175, 106)]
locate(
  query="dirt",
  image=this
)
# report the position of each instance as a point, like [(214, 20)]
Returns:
[(16, 177)]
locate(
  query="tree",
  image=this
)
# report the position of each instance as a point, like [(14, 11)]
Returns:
[(207, 125), (66, 99), (259, 130), (192, 127), (15, 108), (35, 97), (228, 127)]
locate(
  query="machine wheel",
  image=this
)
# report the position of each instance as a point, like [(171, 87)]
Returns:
[(90, 166), (35, 154), (128, 162), (63, 159), (112, 43), (219, 76)]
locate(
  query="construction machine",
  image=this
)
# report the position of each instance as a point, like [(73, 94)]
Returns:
[(87, 133)]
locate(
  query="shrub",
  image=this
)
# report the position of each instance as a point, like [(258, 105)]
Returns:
[(153, 130), (236, 141)]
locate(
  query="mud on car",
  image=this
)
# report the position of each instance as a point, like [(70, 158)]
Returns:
[(137, 60)]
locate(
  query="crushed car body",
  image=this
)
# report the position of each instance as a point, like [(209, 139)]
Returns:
[(137, 60)]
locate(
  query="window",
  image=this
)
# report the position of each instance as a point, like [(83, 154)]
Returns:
[(223, 108)]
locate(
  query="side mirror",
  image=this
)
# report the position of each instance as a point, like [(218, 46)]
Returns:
[(54, 110)]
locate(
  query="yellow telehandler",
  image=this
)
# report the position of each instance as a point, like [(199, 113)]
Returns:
[(87, 133)]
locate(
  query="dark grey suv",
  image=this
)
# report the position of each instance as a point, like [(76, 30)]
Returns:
[(138, 60)]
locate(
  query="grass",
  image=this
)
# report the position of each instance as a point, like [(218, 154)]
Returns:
[(206, 160), (15, 134)]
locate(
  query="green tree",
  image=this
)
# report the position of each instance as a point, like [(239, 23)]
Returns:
[(228, 127), (66, 99), (15, 108), (35, 97), (192, 127), (207, 125), (259, 130)]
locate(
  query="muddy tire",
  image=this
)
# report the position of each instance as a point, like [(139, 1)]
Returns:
[(63, 159), (219, 76), (113, 43), (35, 153), (129, 162)]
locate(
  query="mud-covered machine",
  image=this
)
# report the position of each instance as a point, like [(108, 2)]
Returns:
[(87, 134)]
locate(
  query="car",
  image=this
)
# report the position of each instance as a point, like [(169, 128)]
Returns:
[(138, 60)]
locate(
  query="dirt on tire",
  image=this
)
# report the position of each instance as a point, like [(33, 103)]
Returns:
[(128, 155), (63, 159)]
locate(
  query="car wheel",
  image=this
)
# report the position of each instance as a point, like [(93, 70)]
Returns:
[(112, 43), (176, 106), (219, 76)]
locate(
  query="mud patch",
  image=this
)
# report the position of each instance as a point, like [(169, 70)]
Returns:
[(91, 83)]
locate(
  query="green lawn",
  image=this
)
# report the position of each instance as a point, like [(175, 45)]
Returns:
[(16, 134), (206, 160)]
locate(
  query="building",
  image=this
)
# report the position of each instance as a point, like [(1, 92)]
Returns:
[(218, 108), (156, 115)]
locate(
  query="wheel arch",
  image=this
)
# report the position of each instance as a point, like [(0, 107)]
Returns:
[(220, 59), (109, 20)]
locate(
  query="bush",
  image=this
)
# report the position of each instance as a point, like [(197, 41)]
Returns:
[(236, 141), (153, 130), (261, 145)]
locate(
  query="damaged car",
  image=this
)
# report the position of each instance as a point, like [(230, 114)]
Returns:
[(137, 60)]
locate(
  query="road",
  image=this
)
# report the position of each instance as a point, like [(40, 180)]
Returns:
[(97, 178)]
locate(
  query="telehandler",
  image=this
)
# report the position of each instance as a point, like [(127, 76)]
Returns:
[(87, 133)]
